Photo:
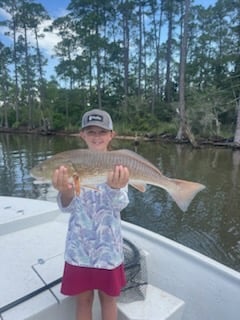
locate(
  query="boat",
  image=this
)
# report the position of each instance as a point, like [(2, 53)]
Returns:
[(167, 280)]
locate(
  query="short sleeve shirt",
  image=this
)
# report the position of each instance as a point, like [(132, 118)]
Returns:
[(94, 237)]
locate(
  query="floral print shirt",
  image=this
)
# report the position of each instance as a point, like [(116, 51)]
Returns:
[(94, 237)]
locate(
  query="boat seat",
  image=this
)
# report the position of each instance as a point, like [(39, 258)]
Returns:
[(157, 305)]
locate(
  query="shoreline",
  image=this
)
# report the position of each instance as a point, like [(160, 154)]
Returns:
[(215, 141)]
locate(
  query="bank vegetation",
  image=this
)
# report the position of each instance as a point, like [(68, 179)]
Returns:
[(165, 67)]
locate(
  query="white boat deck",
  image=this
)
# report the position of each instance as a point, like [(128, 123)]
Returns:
[(32, 240), (32, 245), (20, 213)]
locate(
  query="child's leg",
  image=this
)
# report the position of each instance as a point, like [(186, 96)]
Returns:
[(84, 305), (109, 306)]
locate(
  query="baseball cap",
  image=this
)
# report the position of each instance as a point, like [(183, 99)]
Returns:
[(97, 117)]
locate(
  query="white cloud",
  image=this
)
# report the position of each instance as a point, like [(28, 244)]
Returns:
[(4, 14), (50, 39), (46, 43)]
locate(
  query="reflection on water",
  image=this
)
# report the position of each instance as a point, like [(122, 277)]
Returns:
[(212, 223)]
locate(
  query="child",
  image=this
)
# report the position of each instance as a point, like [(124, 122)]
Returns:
[(94, 253)]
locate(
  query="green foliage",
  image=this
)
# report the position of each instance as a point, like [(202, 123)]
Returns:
[(16, 125), (111, 56), (59, 121), (209, 111)]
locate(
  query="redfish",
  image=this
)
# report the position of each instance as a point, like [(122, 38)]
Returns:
[(92, 168)]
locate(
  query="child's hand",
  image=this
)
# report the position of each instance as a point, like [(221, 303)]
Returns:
[(60, 181), (118, 178)]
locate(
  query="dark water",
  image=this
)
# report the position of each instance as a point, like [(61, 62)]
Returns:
[(212, 223)]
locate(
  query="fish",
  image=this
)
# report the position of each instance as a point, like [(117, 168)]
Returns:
[(92, 168)]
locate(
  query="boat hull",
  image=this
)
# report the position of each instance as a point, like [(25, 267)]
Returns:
[(32, 239)]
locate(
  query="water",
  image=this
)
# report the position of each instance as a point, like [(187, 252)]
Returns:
[(212, 223)]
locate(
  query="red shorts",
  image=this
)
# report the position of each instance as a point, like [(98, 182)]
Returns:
[(80, 279)]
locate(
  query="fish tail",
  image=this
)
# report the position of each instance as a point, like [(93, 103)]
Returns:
[(184, 192)]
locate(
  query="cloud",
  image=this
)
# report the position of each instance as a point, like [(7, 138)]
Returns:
[(4, 14), (50, 39), (46, 43)]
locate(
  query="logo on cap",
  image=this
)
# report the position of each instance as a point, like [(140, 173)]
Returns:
[(95, 117)]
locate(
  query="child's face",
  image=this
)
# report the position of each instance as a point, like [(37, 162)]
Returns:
[(97, 138)]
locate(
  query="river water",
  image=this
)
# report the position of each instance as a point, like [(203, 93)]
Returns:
[(211, 225)]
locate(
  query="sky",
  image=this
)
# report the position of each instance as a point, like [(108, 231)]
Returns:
[(55, 9)]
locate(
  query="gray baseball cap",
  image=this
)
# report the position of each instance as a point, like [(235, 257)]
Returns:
[(97, 117)]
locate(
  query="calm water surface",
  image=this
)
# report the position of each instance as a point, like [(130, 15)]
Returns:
[(212, 223)]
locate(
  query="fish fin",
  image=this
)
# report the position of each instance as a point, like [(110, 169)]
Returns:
[(139, 187), (184, 192), (90, 187)]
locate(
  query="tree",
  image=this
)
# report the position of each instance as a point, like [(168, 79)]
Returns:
[(169, 8), (156, 32), (29, 17), (39, 15), (11, 7), (184, 129), (236, 74), (237, 130), (25, 18), (126, 8), (5, 83), (140, 60)]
